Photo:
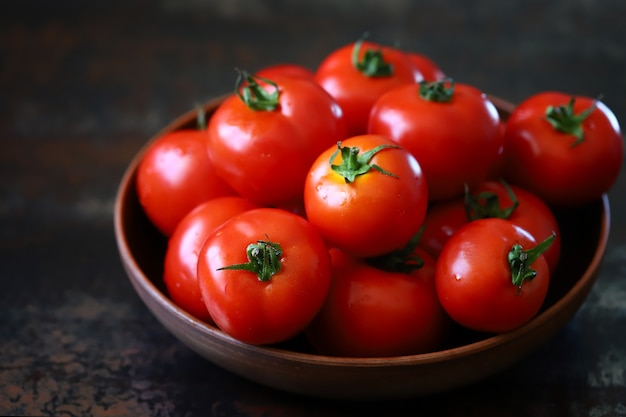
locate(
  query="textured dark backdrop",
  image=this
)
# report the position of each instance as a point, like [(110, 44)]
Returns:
[(83, 84)]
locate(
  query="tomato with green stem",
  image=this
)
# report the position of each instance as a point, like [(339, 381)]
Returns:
[(380, 309), (264, 274), (491, 275), (263, 139), (366, 195), (566, 149), (175, 175), (452, 129), (492, 199), (180, 268), (356, 75)]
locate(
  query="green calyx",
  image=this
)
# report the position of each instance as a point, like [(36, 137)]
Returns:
[(440, 91), (263, 260), (403, 260), (373, 63), (354, 163), (563, 119), (487, 204), (256, 97), (520, 261)]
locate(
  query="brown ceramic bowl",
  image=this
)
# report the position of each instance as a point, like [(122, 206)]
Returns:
[(294, 368)]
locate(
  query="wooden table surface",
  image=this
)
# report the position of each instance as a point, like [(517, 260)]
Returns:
[(83, 85)]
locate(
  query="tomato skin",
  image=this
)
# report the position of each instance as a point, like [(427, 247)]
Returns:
[(180, 270), (532, 214), (265, 155), (290, 70), (542, 160), (426, 66), (271, 311), (373, 313), (355, 92), (174, 176), (455, 142), (442, 220), (496, 168), (473, 277), (376, 213)]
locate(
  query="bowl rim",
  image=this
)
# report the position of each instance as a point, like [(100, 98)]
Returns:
[(429, 358)]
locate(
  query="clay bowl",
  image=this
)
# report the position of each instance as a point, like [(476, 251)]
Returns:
[(293, 367)]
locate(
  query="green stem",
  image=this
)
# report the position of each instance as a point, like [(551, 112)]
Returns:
[(487, 204), (563, 119), (403, 260), (254, 95), (354, 163), (520, 261), (440, 91), (373, 63), (263, 260)]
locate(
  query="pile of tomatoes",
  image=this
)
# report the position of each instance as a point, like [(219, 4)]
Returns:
[(371, 205)]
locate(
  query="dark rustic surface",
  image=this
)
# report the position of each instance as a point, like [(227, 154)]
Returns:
[(83, 84)]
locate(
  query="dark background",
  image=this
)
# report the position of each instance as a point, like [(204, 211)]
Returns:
[(84, 84)]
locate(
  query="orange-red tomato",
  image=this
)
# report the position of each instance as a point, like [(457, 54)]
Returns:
[(375, 211)]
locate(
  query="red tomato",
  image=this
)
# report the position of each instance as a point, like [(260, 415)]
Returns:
[(452, 130), (492, 199), (495, 170), (442, 220), (291, 70), (371, 312), (357, 74), (477, 284), (367, 196), (181, 257), (174, 176), (263, 139), (426, 66), (563, 166), (264, 274)]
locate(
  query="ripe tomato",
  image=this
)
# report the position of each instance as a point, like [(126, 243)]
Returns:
[(491, 276), (371, 312), (366, 195), (291, 70), (174, 176), (568, 150), (426, 66), (358, 73), (181, 257), (452, 130), (264, 274), (492, 199), (263, 139)]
